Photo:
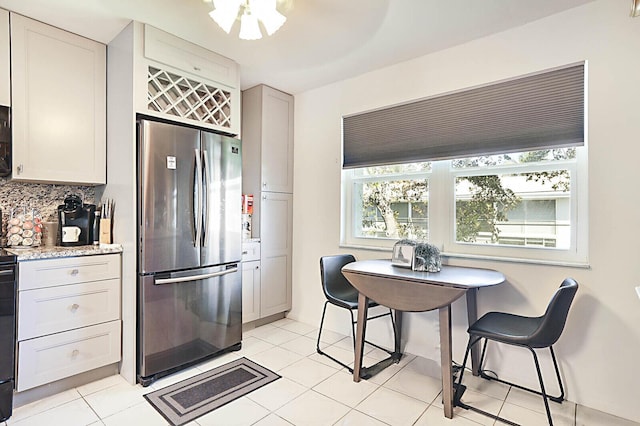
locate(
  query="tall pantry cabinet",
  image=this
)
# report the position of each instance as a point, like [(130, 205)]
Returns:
[(267, 163)]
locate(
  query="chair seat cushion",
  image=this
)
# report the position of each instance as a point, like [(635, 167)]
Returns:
[(506, 328), (347, 298)]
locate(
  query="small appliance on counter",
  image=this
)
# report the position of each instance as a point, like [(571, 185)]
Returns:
[(75, 222)]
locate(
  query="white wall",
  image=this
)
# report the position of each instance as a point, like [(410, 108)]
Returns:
[(599, 349)]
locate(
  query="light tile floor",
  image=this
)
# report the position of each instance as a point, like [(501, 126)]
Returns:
[(312, 391)]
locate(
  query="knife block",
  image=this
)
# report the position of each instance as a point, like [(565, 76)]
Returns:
[(105, 231)]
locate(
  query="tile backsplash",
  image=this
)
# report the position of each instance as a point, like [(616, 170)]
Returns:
[(45, 198)]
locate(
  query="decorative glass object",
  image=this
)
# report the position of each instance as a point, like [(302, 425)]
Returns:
[(24, 228), (426, 257)]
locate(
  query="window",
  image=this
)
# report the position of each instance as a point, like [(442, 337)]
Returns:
[(502, 172), (390, 202), (516, 205)]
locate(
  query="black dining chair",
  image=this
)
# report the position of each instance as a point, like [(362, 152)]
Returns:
[(339, 292), (529, 332)]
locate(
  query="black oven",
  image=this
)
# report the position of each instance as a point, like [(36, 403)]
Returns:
[(8, 290)]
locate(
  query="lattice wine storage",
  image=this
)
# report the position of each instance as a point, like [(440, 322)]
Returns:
[(184, 97)]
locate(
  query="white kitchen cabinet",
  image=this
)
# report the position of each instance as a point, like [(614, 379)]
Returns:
[(5, 81), (58, 83), (68, 317), (250, 281), (56, 356), (56, 309), (250, 291), (267, 160), (188, 83), (267, 136), (276, 252)]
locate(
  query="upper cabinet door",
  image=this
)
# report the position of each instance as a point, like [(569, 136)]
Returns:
[(277, 141), (5, 90), (59, 105), (267, 141), (188, 83)]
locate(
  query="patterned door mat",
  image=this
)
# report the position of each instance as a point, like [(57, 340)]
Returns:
[(189, 399)]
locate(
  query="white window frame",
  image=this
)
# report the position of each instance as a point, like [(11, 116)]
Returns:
[(442, 213), (349, 208)]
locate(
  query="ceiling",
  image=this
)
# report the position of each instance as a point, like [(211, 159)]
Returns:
[(323, 41)]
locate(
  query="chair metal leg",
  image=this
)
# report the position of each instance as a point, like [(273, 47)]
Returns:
[(459, 388), (394, 356), (484, 351), (543, 392), (324, 311), (353, 329), (557, 399), (393, 325)]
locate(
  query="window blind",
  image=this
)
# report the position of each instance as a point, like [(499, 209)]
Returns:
[(537, 111)]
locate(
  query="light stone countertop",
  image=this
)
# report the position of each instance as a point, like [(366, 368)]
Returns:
[(50, 252)]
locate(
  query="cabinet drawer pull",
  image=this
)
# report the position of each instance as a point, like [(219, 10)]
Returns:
[(74, 307), (74, 272), (257, 267), (245, 252), (197, 69), (75, 353)]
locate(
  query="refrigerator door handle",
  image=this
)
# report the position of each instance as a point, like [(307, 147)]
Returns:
[(194, 277), (197, 211), (205, 205)]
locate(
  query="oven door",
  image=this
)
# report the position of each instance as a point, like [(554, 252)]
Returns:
[(7, 338), (187, 316), (7, 322)]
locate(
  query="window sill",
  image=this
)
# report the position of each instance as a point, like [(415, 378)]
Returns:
[(564, 264)]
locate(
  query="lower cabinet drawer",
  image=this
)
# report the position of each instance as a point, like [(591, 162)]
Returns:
[(55, 309), (54, 357), (250, 251), (67, 270)]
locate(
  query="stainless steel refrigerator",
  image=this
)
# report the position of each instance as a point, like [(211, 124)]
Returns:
[(189, 237)]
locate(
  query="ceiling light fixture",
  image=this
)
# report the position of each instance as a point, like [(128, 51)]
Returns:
[(226, 12), (635, 8)]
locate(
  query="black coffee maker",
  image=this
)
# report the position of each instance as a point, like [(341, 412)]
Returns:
[(75, 222)]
